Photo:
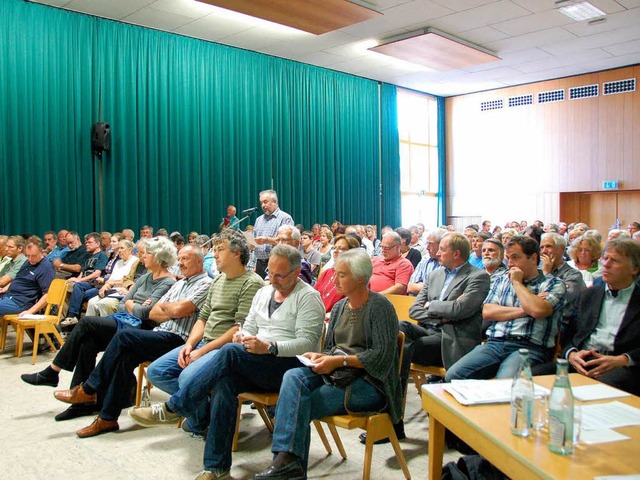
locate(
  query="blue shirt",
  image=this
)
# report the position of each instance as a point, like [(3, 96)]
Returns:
[(57, 253), (423, 269), (476, 261), (31, 283), (450, 275)]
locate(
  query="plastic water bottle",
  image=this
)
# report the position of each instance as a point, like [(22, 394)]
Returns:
[(522, 398), (561, 412)]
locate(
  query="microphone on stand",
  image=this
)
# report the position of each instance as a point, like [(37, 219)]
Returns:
[(250, 210)]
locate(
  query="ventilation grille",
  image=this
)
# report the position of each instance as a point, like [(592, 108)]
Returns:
[(491, 105), (585, 91), (619, 86), (521, 100), (551, 96)]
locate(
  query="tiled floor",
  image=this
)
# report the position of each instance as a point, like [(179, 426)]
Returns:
[(34, 446)]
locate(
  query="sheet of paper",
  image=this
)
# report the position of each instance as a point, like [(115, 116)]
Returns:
[(609, 415), (32, 317), (603, 435), (305, 361), (480, 392), (597, 392), (250, 238)]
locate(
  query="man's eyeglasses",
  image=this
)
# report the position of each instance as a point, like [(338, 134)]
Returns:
[(277, 276)]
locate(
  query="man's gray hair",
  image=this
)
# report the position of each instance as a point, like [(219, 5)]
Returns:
[(290, 253), (627, 248), (397, 239), (163, 250), (237, 243), (437, 234), (359, 263), (197, 250), (556, 237), (295, 233), (272, 194), (594, 233)]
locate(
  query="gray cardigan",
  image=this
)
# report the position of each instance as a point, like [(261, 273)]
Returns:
[(380, 359)]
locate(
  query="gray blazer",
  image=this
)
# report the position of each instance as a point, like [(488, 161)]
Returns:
[(459, 314)]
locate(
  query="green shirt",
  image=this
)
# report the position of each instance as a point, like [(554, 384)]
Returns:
[(228, 302)]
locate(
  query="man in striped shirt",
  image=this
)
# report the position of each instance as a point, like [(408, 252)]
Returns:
[(266, 228), (524, 308), (112, 380)]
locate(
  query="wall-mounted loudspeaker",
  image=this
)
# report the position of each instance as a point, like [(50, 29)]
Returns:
[(100, 138)]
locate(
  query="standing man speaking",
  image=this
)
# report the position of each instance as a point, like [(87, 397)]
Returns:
[(266, 228)]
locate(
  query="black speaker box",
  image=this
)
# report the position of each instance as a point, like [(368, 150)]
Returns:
[(100, 138)]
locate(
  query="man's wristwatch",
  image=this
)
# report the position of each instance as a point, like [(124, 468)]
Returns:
[(273, 349)]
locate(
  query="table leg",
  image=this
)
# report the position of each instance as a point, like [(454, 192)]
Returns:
[(436, 448)]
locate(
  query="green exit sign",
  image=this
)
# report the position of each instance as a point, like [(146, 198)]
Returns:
[(610, 185)]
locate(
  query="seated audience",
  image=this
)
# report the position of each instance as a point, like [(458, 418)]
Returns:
[(362, 335), (27, 292), (325, 248), (309, 253), (92, 334), (290, 235), (416, 240), (475, 257), (60, 248), (633, 227), (14, 247), (171, 320), (286, 319), (605, 341), (370, 241), (83, 287), (616, 233), (114, 289), (226, 307), (70, 264), (525, 308), (411, 254), (325, 284), (428, 263), (493, 258), (208, 263), (391, 271), (585, 253)]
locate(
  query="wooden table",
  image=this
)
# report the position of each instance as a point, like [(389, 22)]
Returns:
[(486, 429)]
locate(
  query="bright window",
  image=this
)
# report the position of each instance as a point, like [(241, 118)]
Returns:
[(418, 129)]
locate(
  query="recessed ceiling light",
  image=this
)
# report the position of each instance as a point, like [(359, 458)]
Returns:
[(580, 11)]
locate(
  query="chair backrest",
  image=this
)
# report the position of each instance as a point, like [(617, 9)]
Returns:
[(56, 295), (402, 304)]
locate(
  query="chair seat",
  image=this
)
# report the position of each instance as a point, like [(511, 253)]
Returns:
[(429, 370), (348, 422)]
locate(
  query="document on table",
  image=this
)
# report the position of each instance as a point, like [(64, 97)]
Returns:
[(599, 391), (481, 392), (603, 435), (609, 415), (635, 476)]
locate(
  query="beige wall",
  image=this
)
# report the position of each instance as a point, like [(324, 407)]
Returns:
[(513, 163)]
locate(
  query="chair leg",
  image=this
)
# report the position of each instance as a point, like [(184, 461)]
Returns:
[(36, 341), (234, 444), (140, 380), (418, 380), (19, 340), (262, 410), (337, 440), (3, 338), (379, 427), (323, 436)]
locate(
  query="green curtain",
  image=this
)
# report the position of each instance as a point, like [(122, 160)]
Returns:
[(390, 160), (195, 126), (45, 119), (442, 162)]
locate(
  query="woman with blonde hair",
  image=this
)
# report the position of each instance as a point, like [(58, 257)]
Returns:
[(585, 253)]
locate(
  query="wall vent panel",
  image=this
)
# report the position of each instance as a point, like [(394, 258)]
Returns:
[(491, 105), (551, 96), (619, 86), (585, 91), (521, 100)]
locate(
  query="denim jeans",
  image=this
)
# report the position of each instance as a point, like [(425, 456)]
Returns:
[(304, 396), (81, 291), (168, 376), (496, 358), (113, 377), (231, 371), (8, 307)]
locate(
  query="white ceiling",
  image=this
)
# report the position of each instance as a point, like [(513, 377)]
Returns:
[(534, 40)]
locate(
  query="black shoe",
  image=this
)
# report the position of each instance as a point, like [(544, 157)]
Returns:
[(399, 429), (75, 411), (39, 379), (290, 471)]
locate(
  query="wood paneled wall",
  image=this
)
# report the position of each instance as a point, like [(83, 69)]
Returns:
[(513, 163)]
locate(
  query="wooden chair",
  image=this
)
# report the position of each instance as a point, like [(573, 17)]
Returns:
[(377, 426), (142, 379), (402, 304), (40, 324)]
